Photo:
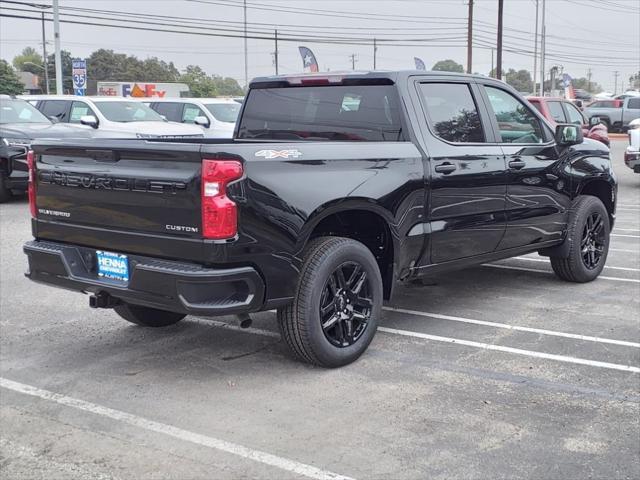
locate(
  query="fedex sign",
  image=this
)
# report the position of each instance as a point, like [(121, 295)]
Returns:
[(142, 89)]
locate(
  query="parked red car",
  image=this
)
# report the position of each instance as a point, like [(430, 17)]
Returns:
[(559, 110)]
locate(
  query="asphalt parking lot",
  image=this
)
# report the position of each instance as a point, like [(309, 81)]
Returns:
[(500, 371)]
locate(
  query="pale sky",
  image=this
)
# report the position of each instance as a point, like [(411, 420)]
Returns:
[(603, 35)]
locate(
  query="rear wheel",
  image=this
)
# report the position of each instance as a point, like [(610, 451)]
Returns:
[(5, 192), (147, 317), (588, 237), (335, 313)]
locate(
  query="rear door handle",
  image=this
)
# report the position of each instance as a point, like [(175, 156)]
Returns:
[(445, 168), (517, 164)]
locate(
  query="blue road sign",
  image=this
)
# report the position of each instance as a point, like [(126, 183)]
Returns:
[(79, 75)]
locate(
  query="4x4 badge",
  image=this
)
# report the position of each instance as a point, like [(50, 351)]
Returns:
[(269, 154)]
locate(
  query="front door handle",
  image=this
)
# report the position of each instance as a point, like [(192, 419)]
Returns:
[(517, 164), (445, 168)]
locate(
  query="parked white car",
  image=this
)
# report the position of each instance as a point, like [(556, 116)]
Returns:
[(216, 116), (116, 114)]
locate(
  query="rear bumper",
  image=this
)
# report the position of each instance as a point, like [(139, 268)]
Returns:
[(166, 285), (632, 159)]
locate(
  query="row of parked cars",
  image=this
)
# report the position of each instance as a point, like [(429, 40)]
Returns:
[(27, 118)]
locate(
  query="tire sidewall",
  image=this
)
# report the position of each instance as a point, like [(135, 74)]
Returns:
[(327, 353)]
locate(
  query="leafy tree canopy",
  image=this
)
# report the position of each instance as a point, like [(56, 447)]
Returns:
[(203, 85), (10, 84), (448, 66), (29, 61)]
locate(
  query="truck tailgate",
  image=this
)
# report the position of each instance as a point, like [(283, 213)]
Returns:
[(134, 187)]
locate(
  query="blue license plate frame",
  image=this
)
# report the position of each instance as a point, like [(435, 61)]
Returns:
[(112, 265)]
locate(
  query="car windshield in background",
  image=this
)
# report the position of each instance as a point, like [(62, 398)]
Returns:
[(224, 112), (18, 111), (127, 112), (338, 113)]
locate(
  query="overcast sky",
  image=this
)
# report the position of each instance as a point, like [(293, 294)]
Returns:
[(603, 35)]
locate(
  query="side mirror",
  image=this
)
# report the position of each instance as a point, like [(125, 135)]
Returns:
[(164, 118), (202, 121), (89, 120), (567, 135), (593, 121), (53, 119)]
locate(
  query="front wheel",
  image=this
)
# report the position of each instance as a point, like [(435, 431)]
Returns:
[(588, 237), (335, 313), (147, 317)]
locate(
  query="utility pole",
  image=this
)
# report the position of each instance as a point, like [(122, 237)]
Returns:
[(535, 52), (375, 52), (499, 58), (276, 53), (58, 56), (589, 80), (353, 61), (493, 51), (616, 74), (470, 37), (543, 48), (44, 56), (246, 58)]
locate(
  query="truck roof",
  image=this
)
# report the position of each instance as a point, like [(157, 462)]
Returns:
[(392, 76)]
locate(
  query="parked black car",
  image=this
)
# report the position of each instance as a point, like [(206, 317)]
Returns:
[(335, 188), (20, 124)]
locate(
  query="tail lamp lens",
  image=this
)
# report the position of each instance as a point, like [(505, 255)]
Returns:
[(219, 212), (31, 163)]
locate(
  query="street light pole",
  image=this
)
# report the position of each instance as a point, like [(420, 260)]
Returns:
[(44, 57), (56, 36), (246, 59), (543, 48), (499, 46), (535, 52)]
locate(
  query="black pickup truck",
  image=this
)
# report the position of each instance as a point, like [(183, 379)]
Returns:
[(334, 189)]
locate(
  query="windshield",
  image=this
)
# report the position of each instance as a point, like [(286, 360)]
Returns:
[(348, 113), (13, 110), (127, 111), (224, 112)]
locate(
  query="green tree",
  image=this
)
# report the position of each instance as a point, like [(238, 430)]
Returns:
[(634, 81), (448, 66), (29, 61), (67, 67), (520, 80), (203, 85), (10, 84), (584, 84)]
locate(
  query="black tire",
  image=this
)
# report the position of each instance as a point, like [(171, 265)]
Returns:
[(331, 262), (147, 317), (587, 249), (5, 192), (607, 124)]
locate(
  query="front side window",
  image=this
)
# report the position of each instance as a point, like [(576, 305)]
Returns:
[(516, 122), (634, 103), (56, 108), (190, 113), (574, 114), (127, 111), (556, 111), (334, 112), (79, 110), (452, 112)]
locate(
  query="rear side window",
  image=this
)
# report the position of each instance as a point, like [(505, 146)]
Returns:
[(171, 110), (338, 113), (452, 112), (557, 113), (56, 108), (516, 122)]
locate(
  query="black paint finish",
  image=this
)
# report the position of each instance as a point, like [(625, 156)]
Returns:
[(442, 205)]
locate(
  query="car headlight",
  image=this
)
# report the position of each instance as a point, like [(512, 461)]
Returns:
[(17, 142)]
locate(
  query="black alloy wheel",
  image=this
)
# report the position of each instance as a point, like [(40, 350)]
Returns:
[(593, 241), (345, 305)]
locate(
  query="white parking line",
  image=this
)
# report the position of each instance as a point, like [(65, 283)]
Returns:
[(624, 235), (626, 229), (637, 250), (627, 269), (541, 331), (192, 437), (601, 277), (517, 351)]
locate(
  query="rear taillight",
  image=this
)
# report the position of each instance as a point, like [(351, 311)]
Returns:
[(219, 212), (31, 163)]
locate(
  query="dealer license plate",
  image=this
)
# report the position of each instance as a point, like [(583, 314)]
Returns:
[(113, 265)]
